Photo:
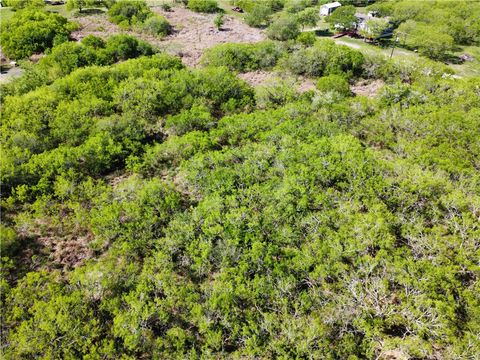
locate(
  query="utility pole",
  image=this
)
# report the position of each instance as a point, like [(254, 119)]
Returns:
[(393, 48)]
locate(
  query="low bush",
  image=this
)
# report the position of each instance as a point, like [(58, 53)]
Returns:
[(282, 29), (126, 13), (157, 25), (275, 93), (378, 67), (306, 38), (334, 83), (123, 47), (259, 16), (63, 59), (203, 6), (22, 4)]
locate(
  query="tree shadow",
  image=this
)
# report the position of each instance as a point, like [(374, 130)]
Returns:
[(453, 59), (93, 11), (323, 32)]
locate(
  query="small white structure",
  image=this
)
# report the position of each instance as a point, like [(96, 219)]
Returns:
[(327, 9)]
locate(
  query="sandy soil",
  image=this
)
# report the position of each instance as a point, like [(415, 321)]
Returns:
[(193, 32)]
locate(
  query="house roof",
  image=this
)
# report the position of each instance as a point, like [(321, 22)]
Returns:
[(332, 5)]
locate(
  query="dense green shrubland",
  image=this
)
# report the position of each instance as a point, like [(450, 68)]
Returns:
[(323, 57), (155, 211), (244, 57), (69, 56), (33, 30), (102, 115), (203, 6)]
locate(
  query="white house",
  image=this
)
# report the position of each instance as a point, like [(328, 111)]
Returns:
[(327, 9)]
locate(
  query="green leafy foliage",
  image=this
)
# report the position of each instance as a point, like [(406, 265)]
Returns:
[(155, 211), (434, 27), (91, 120), (259, 16), (33, 31), (429, 42), (203, 6), (22, 4), (324, 58), (374, 27), (218, 21), (334, 83), (306, 38), (126, 13), (80, 5), (157, 25), (275, 93), (295, 6), (342, 18), (308, 17), (69, 56), (284, 28), (259, 13), (244, 57)]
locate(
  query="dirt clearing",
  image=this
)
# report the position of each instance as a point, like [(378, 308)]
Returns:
[(259, 77), (193, 32), (196, 32)]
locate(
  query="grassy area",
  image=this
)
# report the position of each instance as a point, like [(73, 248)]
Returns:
[(61, 9), (226, 6), (5, 14), (366, 47), (468, 68)]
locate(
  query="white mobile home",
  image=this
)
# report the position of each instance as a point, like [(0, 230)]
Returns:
[(327, 9)]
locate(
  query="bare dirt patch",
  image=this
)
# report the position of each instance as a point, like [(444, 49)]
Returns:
[(9, 74), (256, 78), (49, 245), (367, 88), (196, 32), (305, 84), (193, 32), (97, 25), (259, 77)]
